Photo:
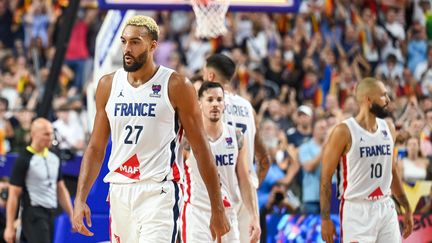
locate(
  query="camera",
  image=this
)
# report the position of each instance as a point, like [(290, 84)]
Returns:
[(4, 194), (279, 196)]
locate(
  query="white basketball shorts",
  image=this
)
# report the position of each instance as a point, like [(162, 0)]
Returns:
[(144, 212), (196, 225), (369, 221)]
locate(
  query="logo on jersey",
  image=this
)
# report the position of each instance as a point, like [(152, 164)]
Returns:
[(226, 202), (117, 238), (120, 94), (130, 168), (156, 89), (377, 194), (229, 142), (385, 134), (162, 191), (361, 139)]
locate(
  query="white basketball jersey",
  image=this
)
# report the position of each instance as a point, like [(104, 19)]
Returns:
[(239, 113), (365, 172), (145, 130), (225, 149)]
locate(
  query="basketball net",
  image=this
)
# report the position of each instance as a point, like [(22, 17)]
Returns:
[(210, 17)]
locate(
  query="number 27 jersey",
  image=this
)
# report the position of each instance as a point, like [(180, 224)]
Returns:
[(365, 172), (145, 130)]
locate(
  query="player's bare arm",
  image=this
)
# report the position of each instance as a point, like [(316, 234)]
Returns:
[(261, 154), (399, 193), (247, 191), (337, 145), (93, 156), (184, 100)]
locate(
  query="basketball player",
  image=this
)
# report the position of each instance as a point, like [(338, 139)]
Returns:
[(227, 145), (367, 172), (145, 107), (239, 112)]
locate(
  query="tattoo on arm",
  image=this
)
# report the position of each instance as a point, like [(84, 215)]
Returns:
[(263, 159), (240, 138), (325, 200), (262, 169)]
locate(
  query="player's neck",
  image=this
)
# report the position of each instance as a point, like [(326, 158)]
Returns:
[(367, 120), (144, 74), (228, 88), (213, 130)]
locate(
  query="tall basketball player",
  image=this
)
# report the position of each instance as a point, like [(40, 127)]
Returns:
[(239, 113), (227, 145), (145, 107), (367, 173)]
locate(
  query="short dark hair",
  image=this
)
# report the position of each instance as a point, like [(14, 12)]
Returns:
[(196, 78), (208, 85), (222, 64)]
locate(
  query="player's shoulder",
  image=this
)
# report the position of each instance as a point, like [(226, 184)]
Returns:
[(107, 79), (340, 131), (177, 80)]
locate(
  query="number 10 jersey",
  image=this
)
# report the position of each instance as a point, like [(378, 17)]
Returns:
[(365, 172)]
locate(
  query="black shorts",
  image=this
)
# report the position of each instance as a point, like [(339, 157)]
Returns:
[(38, 224)]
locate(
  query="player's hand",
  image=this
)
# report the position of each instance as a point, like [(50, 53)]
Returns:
[(327, 230), (408, 224), (81, 210), (9, 235), (254, 229), (219, 225)]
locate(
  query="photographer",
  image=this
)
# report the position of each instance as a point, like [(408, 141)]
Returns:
[(278, 204)]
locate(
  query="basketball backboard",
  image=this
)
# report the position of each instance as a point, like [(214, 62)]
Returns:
[(235, 5)]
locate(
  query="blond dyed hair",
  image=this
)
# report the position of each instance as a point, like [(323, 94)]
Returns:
[(147, 22)]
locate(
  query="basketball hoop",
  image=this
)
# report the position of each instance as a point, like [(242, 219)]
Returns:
[(210, 17)]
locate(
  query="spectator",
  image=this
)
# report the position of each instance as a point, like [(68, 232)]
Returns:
[(270, 138), (261, 89), (423, 73), (310, 158), (274, 110), (36, 176), (303, 129), (68, 131), (6, 36), (6, 129), (37, 20), (414, 166), (426, 135), (77, 52), (417, 46), (350, 106)]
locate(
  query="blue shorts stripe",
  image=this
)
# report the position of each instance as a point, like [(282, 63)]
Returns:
[(176, 212)]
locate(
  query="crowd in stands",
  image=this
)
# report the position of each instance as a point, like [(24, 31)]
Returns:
[(298, 70)]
